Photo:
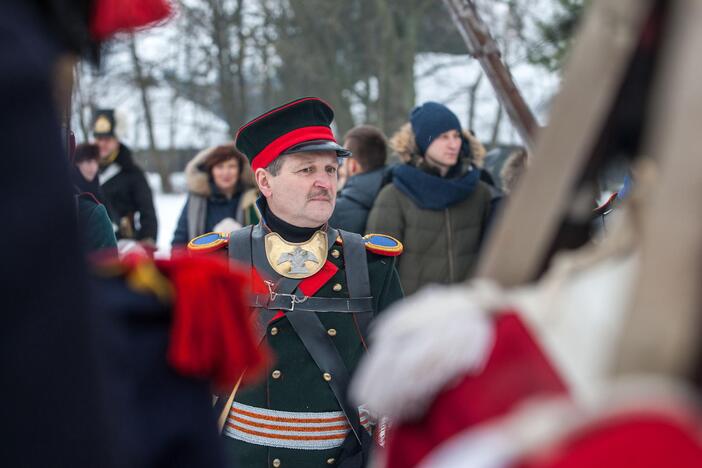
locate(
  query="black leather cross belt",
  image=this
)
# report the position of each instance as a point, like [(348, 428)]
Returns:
[(312, 304)]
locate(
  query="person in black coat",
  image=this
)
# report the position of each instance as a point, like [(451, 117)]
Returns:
[(124, 184), (366, 172)]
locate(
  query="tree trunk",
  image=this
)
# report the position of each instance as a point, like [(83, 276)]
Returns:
[(221, 39), (240, 63), (396, 66), (472, 98), (267, 97), (142, 83), (80, 102)]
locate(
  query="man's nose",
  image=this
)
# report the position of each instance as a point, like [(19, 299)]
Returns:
[(324, 179)]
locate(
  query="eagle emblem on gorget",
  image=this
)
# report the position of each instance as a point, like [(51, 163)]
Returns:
[(297, 259)]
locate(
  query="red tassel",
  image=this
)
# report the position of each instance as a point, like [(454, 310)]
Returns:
[(211, 332), (112, 16)]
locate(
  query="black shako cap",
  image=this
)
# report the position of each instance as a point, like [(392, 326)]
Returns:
[(104, 123), (300, 125)]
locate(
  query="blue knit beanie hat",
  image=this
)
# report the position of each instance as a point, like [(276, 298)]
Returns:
[(430, 120)]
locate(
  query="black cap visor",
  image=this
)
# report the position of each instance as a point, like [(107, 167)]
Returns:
[(320, 145)]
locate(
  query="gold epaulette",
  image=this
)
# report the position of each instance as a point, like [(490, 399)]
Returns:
[(382, 244), (209, 242)]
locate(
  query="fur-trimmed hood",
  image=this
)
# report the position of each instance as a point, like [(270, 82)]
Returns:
[(403, 143), (198, 180), (515, 165)]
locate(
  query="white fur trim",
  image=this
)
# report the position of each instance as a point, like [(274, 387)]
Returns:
[(197, 180), (422, 344), (227, 225)]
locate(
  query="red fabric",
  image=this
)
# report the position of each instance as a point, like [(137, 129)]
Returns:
[(288, 140), (112, 16), (308, 286), (258, 285), (515, 370), (211, 336), (641, 440)]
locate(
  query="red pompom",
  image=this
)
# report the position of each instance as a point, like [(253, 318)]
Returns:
[(112, 16), (211, 333)]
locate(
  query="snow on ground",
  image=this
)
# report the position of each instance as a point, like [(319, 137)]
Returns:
[(168, 208)]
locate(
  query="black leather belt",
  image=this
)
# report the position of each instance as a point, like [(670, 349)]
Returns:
[(290, 302)]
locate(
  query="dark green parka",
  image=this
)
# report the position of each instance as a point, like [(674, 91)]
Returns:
[(440, 245)]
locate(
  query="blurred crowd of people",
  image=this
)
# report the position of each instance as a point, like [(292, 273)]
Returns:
[(437, 197)]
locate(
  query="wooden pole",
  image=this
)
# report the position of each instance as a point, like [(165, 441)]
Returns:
[(602, 51), (662, 329), (483, 47)]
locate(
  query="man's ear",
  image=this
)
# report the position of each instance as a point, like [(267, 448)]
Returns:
[(352, 167), (263, 180)]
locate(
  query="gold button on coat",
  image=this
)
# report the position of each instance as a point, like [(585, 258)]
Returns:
[(276, 462), (330, 461), (275, 374), (274, 331), (335, 253), (331, 332), (336, 287), (327, 376)]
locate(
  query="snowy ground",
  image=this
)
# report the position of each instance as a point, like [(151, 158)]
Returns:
[(168, 208)]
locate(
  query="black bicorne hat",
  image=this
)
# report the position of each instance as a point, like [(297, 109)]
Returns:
[(300, 125), (104, 123)]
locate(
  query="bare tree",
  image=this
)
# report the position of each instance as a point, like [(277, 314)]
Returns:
[(472, 99), (143, 81)]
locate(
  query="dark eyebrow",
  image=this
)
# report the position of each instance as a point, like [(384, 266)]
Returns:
[(303, 163)]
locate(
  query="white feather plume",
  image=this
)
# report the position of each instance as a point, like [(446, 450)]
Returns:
[(422, 344)]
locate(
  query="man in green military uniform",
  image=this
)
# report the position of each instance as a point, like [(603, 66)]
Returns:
[(315, 291)]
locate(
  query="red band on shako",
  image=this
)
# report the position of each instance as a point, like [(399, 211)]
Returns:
[(304, 120), (288, 140)]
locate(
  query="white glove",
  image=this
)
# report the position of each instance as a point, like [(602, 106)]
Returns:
[(227, 225), (130, 246)]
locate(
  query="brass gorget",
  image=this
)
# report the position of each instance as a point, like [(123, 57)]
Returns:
[(296, 260)]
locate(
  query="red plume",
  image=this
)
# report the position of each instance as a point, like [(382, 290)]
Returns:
[(211, 333), (112, 16)]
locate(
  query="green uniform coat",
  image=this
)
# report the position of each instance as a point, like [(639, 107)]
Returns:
[(294, 382)]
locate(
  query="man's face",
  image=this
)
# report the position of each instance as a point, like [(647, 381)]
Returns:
[(443, 151), (107, 145), (304, 191)]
